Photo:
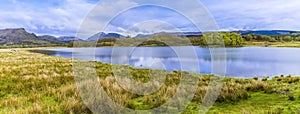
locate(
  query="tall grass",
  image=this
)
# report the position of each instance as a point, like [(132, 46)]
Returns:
[(36, 83)]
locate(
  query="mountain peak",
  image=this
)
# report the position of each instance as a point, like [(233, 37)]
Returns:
[(18, 36), (100, 35)]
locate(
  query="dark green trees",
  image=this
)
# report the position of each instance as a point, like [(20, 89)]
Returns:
[(287, 38), (249, 37), (228, 39)]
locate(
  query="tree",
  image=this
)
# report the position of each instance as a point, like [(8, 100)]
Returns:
[(287, 38), (71, 44), (249, 37), (239, 39), (128, 36), (226, 39), (233, 39), (229, 39), (297, 38)]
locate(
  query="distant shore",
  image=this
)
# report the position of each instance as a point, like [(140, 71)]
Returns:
[(273, 44)]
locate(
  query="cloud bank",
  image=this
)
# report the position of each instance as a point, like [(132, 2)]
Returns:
[(64, 17)]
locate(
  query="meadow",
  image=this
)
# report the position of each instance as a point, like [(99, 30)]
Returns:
[(37, 83)]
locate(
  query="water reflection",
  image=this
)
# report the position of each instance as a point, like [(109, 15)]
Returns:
[(241, 62)]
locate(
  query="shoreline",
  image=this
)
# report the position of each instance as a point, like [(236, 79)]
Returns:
[(292, 44), (46, 52)]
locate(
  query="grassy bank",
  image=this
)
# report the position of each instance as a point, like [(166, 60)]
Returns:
[(273, 44), (36, 83)]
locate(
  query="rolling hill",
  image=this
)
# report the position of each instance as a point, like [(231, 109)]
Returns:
[(19, 36), (100, 35)]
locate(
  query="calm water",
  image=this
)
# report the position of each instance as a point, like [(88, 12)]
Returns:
[(240, 62)]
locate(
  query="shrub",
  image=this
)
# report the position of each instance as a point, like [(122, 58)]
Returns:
[(264, 79), (291, 97), (278, 79), (255, 77)]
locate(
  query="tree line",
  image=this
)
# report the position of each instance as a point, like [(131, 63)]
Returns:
[(272, 38), (228, 39)]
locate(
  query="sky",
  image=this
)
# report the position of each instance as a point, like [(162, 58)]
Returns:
[(65, 17)]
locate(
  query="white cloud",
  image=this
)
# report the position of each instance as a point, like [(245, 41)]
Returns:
[(257, 14), (108, 9), (46, 20), (99, 17), (147, 27), (64, 17)]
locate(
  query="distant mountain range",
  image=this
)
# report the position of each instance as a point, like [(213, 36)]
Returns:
[(50, 39), (180, 34), (100, 35), (266, 32), (19, 36), (191, 34), (68, 39)]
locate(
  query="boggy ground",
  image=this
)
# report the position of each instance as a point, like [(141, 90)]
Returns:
[(37, 83)]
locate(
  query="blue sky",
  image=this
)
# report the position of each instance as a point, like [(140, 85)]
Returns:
[(63, 17)]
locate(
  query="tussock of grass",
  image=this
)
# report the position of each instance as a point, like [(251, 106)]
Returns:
[(36, 83)]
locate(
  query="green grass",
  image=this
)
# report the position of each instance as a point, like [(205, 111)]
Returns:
[(37, 83), (260, 103), (273, 44), (285, 44)]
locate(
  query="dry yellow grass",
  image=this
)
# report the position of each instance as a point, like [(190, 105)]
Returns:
[(36, 83)]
